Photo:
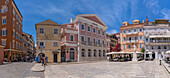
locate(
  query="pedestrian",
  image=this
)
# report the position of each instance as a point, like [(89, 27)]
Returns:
[(42, 61), (45, 61), (10, 59), (160, 58)]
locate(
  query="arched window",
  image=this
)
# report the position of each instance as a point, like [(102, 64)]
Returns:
[(83, 52), (72, 53), (95, 53), (99, 53), (103, 53), (89, 53)]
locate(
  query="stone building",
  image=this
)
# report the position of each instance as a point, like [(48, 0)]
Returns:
[(113, 40), (28, 45), (11, 29), (157, 37), (84, 39), (48, 37)]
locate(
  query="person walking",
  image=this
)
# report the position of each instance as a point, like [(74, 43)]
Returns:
[(160, 58), (42, 61)]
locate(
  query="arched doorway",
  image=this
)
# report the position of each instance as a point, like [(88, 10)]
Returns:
[(83, 53), (40, 55), (71, 53), (95, 54), (103, 53), (89, 53)]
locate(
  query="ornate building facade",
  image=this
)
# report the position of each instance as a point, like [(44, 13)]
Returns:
[(157, 37), (84, 39), (132, 34)]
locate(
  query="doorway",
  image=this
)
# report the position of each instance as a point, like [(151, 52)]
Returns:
[(71, 53), (55, 57)]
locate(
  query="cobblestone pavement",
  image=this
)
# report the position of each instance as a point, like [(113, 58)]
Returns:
[(147, 69), (19, 70)]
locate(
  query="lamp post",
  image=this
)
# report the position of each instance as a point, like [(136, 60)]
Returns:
[(134, 54)]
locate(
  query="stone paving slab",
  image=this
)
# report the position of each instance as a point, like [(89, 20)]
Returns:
[(37, 68), (167, 66), (146, 69)]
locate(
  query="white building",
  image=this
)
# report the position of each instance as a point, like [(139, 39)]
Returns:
[(157, 38)]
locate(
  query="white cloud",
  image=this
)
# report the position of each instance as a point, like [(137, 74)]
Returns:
[(166, 13), (112, 32)]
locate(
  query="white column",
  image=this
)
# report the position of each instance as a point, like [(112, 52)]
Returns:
[(156, 55), (79, 39)]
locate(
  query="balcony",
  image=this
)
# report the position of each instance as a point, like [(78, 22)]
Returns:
[(90, 43), (83, 42), (159, 41)]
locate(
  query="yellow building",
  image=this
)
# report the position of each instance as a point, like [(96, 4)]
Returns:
[(132, 34), (48, 39)]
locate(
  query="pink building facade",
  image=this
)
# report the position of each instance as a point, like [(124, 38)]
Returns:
[(84, 39)]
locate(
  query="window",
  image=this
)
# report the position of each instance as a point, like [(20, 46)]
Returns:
[(55, 44), (140, 30), (71, 37), (164, 30), (103, 42), (3, 42), (159, 30), (42, 44), (3, 20), (107, 44), (135, 30), (98, 41), (103, 32), (159, 47), (4, 9), (88, 39), (124, 39), (129, 31), (136, 22), (82, 26), (13, 22), (140, 37), (124, 31), (94, 30), (104, 53), (17, 25), (89, 53), (4, 32), (13, 33), (146, 30), (140, 45), (124, 47), (94, 40), (88, 28), (13, 44), (165, 47), (98, 31), (129, 46), (83, 53), (41, 31), (99, 53), (153, 31), (82, 38), (147, 40), (14, 12), (94, 53), (55, 31)]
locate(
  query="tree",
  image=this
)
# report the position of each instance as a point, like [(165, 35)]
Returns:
[(143, 50)]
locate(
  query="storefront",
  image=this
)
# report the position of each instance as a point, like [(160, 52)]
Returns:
[(1, 54)]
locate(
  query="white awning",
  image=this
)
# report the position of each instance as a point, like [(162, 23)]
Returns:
[(167, 52), (160, 36), (123, 52)]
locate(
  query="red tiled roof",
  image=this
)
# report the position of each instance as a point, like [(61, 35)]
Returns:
[(93, 18)]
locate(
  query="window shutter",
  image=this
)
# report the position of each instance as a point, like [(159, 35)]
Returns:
[(6, 32), (0, 33)]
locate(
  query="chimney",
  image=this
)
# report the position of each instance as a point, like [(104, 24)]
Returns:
[(71, 20)]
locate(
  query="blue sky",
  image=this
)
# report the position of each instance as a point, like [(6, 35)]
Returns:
[(112, 12)]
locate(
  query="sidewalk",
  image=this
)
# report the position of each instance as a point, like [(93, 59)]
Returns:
[(37, 68), (167, 66)]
